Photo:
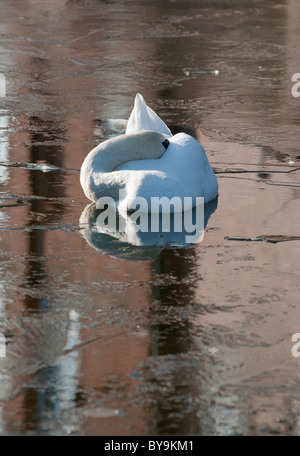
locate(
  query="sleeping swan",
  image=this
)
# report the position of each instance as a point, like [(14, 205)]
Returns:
[(147, 161)]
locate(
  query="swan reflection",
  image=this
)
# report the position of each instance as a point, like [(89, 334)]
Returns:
[(120, 235)]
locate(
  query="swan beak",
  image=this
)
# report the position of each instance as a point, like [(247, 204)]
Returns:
[(166, 143)]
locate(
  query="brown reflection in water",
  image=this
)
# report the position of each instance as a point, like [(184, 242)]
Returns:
[(48, 185), (37, 401), (170, 335)]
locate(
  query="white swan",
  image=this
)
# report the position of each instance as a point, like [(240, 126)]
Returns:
[(147, 161)]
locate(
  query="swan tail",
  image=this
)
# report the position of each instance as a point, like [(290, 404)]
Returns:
[(144, 118)]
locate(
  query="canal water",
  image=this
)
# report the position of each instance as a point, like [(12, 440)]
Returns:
[(113, 335)]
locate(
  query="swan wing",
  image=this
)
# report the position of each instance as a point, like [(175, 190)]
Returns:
[(144, 118)]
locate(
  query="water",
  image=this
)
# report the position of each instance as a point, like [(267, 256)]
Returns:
[(109, 338)]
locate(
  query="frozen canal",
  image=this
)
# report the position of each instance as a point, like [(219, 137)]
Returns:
[(108, 338)]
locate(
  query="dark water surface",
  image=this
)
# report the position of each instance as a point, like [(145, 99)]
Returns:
[(104, 335)]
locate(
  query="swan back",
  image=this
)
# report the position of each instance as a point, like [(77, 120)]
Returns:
[(183, 170)]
